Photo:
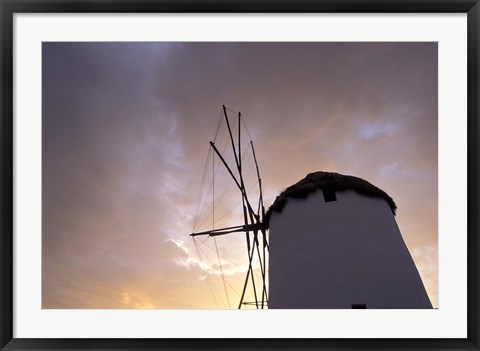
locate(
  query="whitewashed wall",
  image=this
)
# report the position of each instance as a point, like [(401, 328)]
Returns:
[(335, 254)]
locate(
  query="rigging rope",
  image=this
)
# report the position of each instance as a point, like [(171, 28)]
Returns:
[(221, 271), (210, 152), (225, 258), (218, 126), (203, 223), (202, 226), (254, 270), (248, 132), (211, 286), (235, 291), (201, 199), (213, 226), (228, 109)]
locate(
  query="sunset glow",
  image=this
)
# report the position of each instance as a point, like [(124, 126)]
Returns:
[(126, 130)]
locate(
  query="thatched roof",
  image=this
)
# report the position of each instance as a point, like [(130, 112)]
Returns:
[(326, 180)]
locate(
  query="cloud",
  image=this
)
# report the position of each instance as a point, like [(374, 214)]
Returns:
[(374, 131), (125, 130)]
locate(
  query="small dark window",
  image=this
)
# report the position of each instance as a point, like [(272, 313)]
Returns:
[(357, 306), (329, 195)]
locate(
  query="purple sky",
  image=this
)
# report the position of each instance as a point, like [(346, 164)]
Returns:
[(126, 128)]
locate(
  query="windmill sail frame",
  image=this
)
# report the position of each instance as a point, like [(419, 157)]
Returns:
[(253, 226)]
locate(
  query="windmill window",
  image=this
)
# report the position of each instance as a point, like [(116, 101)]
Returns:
[(329, 195), (358, 306)]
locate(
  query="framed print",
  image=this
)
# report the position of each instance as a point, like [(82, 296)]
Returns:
[(239, 175)]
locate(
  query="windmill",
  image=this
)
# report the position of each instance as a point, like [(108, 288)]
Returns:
[(335, 241), (253, 227)]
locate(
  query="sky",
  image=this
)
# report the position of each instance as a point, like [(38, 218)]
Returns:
[(125, 137)]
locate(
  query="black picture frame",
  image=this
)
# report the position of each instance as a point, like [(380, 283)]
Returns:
[(9, 7)]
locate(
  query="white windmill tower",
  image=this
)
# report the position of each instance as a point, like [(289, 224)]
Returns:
[(334, 243)]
